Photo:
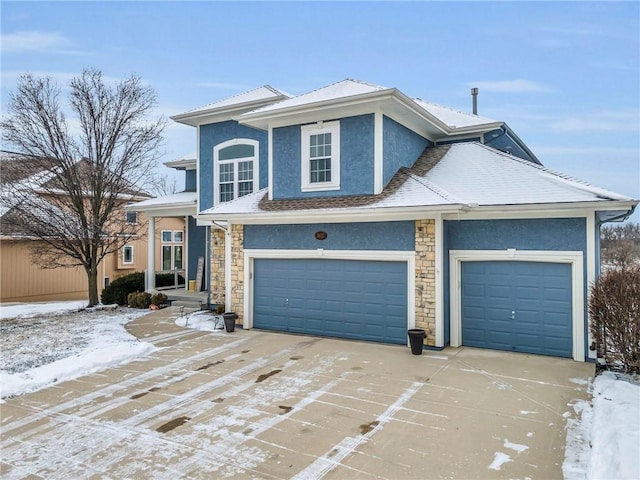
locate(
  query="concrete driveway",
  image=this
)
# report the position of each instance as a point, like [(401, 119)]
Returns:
[(253, 404)]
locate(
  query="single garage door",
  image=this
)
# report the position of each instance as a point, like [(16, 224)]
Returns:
[(517, 306), (364, 300)]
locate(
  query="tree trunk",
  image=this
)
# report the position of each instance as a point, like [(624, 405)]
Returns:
[(92, 277)]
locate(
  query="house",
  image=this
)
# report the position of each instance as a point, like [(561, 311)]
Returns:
[(21, 280), (358, 212)]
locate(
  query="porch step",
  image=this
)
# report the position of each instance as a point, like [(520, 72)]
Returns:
[(189, 304), (182, 298)]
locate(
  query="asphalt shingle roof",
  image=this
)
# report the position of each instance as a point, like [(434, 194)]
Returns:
[(466, 173)]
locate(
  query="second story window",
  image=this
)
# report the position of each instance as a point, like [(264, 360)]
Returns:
[(320, 157), (132, 217), (236, 169)]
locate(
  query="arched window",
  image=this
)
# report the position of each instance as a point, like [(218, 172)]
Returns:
[(235, 169)]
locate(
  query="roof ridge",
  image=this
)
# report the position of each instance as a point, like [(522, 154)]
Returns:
[(438, 191), (363, 82)]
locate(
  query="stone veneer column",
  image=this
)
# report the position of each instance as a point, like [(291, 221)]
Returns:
[(237, 271), (217, 266), (426, 278)]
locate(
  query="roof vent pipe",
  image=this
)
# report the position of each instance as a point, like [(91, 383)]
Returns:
[(474, 95)]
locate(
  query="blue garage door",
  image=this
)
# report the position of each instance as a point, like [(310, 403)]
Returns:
[(517, 306), (364, 300)]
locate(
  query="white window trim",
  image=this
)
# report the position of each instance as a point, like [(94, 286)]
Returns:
[(315, 129), (216, 166), (124, 262), (126, 218), (574, 258), (179, 242), (162, 240)]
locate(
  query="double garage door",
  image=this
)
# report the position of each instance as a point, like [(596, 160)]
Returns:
[(517, 306), (355, 299)]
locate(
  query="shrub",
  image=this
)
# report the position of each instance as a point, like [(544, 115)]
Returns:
[(159, 299), (143, 300), (614, 307), (121, 287), (132, 299), (139, 300)]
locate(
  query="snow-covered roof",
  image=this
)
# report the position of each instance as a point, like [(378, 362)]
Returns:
[(185, 162), (451, 117), (245, 101), (354, 97), (177, 204), (264, 92), (458, 176), (343, 89)]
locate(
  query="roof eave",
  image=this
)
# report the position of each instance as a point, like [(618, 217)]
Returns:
[(346, 215), (210, 115), (262, 119)]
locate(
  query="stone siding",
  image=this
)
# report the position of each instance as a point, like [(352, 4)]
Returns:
[(237, 271), (426, 279), (217, 266)]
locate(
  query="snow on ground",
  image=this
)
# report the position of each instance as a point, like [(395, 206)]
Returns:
[(201, 321), (41, 344), (603, 442), (27, 310)]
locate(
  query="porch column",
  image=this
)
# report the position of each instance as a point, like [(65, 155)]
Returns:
[(151, 255)]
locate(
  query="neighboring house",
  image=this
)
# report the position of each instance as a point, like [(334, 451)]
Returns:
[(21, 280), (355, 211), (180, 207)]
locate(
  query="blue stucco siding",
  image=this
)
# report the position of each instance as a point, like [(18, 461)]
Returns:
[(356, 159), (216, 133), (190, 181), (196, 247), (521, 234), (401, 147), (286, 161), (398, 236), (555, 234)]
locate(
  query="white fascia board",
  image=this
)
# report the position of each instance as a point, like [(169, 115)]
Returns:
[(164, 211), (181, 164), (547, 210), (264, 118), (344, 216), (217, 114)]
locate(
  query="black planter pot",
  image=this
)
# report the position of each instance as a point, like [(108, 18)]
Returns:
[(230, 321), (416, 340)]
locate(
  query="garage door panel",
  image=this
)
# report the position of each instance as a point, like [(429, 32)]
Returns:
[(538, 293), (342, 298)]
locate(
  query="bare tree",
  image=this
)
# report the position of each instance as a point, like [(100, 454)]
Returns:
[(74, 176), (162, 185), (620, 244)]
